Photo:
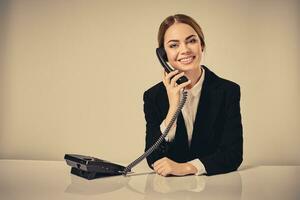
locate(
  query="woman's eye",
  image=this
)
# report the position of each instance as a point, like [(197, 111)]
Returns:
[(193, 41), (173, 45)]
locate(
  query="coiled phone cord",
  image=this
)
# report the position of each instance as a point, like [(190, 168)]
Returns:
[(161, 138)]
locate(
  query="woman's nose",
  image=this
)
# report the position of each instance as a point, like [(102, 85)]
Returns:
[(184, 49)]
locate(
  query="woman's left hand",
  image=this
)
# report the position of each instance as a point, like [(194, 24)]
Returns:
[(166, 166)]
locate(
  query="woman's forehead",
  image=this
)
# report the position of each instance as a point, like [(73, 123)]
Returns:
[(179, 31)]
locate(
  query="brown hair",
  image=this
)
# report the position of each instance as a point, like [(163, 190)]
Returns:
[(180, 18)]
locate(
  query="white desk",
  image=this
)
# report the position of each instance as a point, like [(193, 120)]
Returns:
[(21, 179)]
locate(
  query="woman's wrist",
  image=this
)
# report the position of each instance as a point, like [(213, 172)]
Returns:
[(169, 116), (188, 168)]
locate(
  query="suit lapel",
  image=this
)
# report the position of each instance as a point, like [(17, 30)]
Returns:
[(210, 101)]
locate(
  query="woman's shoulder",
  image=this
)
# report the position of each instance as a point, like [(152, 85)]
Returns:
[(229, 84), (220, 82), (228, 88), (155, 91)]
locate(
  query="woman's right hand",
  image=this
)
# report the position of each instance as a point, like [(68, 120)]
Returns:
[(173, 91)]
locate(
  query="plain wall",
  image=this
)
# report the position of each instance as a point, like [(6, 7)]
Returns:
[(73, 73)]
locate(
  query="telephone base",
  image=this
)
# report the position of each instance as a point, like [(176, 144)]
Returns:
[(89, 175), (90, 167)]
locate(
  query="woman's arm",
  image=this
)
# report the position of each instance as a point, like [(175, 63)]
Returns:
[(153, 116), (229, 154), (153, 121)]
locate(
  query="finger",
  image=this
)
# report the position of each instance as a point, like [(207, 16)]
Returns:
[(158, 162), (175, 78), (164, 74), (164, 172), (183, 85), (170, 75), (159, 168), (165, 82), (164, 164)]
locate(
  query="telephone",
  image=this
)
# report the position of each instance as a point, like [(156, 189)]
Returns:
[(163, 59), (90, 167)]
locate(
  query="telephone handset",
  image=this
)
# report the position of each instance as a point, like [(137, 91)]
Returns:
[(162, 57)]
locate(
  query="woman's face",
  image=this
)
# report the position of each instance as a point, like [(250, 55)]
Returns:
[(183, 47)]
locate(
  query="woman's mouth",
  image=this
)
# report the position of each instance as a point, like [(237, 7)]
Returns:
[(187, 60)]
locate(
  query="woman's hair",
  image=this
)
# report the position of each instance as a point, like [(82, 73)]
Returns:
[(179, 18)]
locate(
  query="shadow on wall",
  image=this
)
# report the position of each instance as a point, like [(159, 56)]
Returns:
[(4, 11)]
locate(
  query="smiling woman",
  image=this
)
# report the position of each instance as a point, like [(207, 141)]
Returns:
[(207, 137)]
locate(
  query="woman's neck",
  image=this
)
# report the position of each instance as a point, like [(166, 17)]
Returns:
[(194, 76)]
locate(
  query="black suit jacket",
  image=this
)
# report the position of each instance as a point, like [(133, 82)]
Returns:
[(217, 135)]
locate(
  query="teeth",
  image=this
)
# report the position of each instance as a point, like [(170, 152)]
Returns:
[(186, 60)]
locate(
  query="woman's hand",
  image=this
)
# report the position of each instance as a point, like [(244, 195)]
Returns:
[(173, 91), (166, 166)]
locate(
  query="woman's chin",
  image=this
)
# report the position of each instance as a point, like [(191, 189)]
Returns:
[(189, 67)]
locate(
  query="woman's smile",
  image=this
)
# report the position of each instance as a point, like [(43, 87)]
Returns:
[(186, 60)]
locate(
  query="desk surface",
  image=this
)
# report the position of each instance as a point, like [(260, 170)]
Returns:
[(20, 179)]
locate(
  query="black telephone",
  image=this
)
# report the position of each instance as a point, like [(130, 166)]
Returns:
[(90, 167), (162, 57)]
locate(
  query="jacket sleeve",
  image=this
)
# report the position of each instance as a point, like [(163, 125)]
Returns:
[(229, 154), (153, 121)]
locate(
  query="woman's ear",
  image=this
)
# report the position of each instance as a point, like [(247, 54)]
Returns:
[(202, 48), (202, 57)]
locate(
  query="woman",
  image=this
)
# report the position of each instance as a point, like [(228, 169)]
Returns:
[(207, 136)]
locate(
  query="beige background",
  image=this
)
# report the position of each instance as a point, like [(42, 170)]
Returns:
[(72, 74)]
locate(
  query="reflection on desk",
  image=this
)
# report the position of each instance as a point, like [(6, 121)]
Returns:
[(153, 186), (52, 180)]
